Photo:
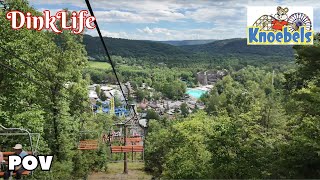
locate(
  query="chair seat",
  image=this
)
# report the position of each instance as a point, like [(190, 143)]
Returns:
[(24, 173), (88, 145)]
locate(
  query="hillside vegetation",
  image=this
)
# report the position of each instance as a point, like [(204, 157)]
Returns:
[(163, 52), (240, 47), (99, 65), (130, 48)]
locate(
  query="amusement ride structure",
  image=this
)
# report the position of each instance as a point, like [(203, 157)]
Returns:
[(294, 21)]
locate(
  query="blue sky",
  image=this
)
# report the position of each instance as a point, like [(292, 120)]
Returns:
[(172, 19)]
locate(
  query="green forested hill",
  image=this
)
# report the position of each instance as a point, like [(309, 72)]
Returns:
[(239, 46), (130, 48), (221, 48)]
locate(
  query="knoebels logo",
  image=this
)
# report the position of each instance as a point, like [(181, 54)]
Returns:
[(281, 27)]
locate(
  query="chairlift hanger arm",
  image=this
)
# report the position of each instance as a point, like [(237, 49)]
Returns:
[(16, 134), (20, 129)]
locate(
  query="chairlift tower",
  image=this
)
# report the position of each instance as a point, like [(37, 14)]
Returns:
[(130, 122)]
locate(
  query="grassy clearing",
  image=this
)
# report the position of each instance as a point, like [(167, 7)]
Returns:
[(99, 65), (115, 171)]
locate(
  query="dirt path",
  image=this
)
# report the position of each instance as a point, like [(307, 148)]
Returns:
[(115, 171)]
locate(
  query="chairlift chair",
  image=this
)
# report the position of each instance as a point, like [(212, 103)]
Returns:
[(131, 145), (20, 132), (87, 143)]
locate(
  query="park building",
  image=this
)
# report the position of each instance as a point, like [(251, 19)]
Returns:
[(210, 77)]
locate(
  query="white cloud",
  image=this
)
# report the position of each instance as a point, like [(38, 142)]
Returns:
[(224, 18), (154, 31), (134, 17), (209, 14), (109, 34), (148, 33), (127, 11), (118, 16)]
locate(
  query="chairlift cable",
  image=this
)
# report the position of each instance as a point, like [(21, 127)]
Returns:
[(12, 53), (108, 54), (22, 60), (21, 74), (29, 78)]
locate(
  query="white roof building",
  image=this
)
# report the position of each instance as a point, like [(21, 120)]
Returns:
[(106, 88), (143, 122), (93, 94), (114, 92)]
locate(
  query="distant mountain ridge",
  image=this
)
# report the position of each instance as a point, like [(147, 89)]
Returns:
[(187, 42), (239, 46), (154, 50)]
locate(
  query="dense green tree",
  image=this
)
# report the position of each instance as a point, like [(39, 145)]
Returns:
[(98, 90), (151, 114), (184, 109), (189, 156), (174, 90), (157, 145), (303, 106), (140, 95), (103, 96), (240, 136), (55, 102)]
